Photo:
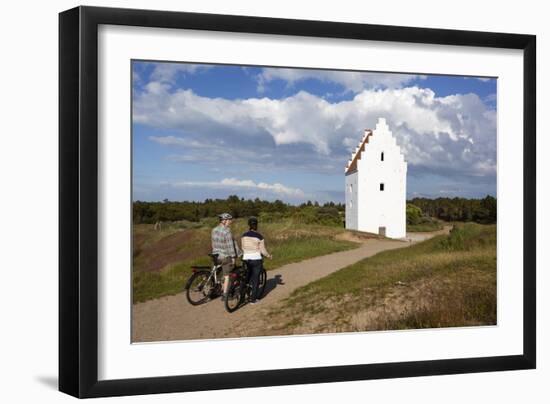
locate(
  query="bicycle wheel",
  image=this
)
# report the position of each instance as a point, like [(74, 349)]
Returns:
[(199, 287), (234, 297), (261, 284)]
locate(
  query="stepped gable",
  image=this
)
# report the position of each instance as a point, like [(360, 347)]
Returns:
[(356, 155)]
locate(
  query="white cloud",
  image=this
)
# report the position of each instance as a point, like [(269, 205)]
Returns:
[(351, 81), (490, 98), (452, 135), (177, 141), (167, 72), (234, 183), (483, 79)]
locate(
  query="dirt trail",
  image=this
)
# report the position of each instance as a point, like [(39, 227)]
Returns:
[(173, 318)]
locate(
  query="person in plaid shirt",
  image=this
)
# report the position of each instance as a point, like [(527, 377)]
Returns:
[(224, 245)]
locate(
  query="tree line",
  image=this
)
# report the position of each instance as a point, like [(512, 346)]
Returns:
[(482, 210), (330, 213)]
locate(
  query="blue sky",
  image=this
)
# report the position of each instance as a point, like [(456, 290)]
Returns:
[(209, 131)]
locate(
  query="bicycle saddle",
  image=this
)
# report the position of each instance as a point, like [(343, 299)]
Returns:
[(214, 258)]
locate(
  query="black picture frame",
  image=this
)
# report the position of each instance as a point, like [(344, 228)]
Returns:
[(78, 200)]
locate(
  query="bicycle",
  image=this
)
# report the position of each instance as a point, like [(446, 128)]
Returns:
[(240, 288), (205, 283)]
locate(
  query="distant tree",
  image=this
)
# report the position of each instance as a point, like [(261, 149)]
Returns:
[(414, 214), (459, 209), (490, 203)]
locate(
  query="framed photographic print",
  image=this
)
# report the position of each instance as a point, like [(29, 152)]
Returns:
[(250, 201)]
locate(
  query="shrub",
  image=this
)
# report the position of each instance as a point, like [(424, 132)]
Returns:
[(270, 217), (414, 214)]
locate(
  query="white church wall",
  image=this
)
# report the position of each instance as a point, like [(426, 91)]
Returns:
[(351, 201), (378, 208)]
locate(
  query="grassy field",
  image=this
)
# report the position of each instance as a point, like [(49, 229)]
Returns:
[(426, 225), (162, 259), (443, 282)]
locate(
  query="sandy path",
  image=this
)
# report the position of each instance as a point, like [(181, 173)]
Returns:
[(416, 237), (173, 318)]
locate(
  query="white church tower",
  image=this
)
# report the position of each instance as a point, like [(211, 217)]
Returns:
[(376, 185)]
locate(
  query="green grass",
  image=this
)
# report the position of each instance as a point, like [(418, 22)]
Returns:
[(287, 242), (445, 281), (426, 225), (298, 249)]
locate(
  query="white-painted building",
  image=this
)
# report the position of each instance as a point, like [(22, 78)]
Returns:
[(376, 185)]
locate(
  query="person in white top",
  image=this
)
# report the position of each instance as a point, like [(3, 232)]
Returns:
[(253, 246)]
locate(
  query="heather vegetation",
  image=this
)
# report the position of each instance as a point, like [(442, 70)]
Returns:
[(446, 281), (163, 255)]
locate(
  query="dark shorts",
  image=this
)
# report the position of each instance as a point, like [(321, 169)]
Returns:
[(227, 265)]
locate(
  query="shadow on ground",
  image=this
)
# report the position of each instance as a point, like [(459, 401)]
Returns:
[(272, 284)]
